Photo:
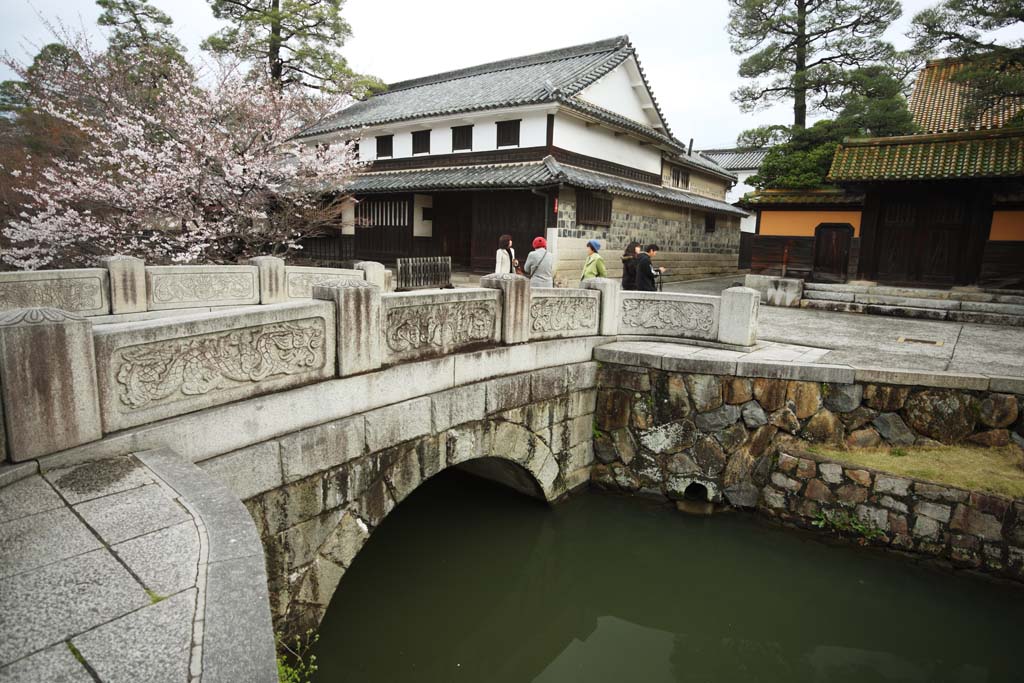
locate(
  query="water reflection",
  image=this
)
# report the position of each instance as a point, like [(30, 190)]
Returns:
[(469, 582)]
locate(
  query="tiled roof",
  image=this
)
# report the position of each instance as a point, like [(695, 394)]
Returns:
[(937, 102), (556, 76), (773, 198), (698, 161), (980, 154), (545, 173), (738, 158)]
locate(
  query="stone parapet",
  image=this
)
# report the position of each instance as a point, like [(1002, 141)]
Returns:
[(302, 279), (737, 322), (776, 291), (563, 313), (48, 392), (694, 316), (419, 325), (192, 286), (151, 370), (271, 272), (127, 284), (515, 305), (83, 291), (609, 290), (358, 331)]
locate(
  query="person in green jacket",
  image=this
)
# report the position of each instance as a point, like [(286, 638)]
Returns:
[(594, 266)]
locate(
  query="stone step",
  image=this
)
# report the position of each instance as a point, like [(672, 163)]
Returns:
[(914, 312), (987, 318), (981, 307), (906, 301), (827, 295), (831, 287)]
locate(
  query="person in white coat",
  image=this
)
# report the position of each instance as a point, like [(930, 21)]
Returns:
[(540, 265), (505, 258)]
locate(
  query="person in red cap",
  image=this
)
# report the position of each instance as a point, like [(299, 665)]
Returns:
[(540, 265)]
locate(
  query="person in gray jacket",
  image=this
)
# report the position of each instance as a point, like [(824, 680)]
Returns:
[(540, 265)]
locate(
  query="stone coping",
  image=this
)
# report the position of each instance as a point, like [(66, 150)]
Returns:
[(238, 635), (787, 361)]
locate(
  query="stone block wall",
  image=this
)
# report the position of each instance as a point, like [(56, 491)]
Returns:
[(661, 432), (966, 528), (316, 495)]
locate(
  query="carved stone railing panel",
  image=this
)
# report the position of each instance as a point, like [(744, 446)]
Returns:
[(560, 313), (85, 291), (418, 325), (302, 279), (692, 316), (198, 286), (159, 368)]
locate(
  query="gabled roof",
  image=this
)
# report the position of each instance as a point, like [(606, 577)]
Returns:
[(544, 173), (702, 163), (977, 154), (737, 158), (937, 102), (555, 76)]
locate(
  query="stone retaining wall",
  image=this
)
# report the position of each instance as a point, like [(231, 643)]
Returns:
[(661, 432), (317, 494), (967, 528)]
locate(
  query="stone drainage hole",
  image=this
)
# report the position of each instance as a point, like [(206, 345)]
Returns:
[(696, 491)]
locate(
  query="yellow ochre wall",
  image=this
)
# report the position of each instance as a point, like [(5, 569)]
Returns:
[(1007, 226), (803, 223)]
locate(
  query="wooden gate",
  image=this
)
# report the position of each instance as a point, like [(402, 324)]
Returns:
[(831, 252)]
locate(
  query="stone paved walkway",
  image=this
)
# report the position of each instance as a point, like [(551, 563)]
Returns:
[(873, 341), (99, 577)]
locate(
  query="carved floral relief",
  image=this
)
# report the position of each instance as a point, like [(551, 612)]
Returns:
[(190, 287), (172, 370), (653, 314), (67, 294), (300, 285), (440, 325), (563, 314)]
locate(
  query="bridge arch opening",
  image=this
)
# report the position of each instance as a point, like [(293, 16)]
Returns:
[(505, 472)]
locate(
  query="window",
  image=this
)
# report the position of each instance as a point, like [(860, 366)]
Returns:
[(593, 209), (421, 142), (709, 222), (508, 133), (385, 146), (428, 213), (462, 138), (680, 178)]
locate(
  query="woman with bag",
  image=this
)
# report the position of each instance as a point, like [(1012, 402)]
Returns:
[(594, 265), (505, 258), (539, 266), (629, 257)]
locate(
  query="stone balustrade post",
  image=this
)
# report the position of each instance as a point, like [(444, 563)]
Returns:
[(609, 289), (374, 273), (48, 382), (737, 321), (127, 284), (357, 314), (515, 305), (273, 283)]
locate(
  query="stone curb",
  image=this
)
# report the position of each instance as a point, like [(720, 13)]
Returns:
[(940, 380), (238, 635), (10, 473)]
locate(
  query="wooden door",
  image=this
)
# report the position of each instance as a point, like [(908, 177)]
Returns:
[(923, 238), (831, 252), (519, 214), (384, 227)]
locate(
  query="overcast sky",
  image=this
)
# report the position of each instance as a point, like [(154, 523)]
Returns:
[(682, 44)]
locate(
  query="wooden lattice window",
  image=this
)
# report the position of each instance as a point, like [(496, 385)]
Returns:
[(680, 178), (593, 208), (508, 133), (709, 222), (421, 142), (462, 138), (385, 146)]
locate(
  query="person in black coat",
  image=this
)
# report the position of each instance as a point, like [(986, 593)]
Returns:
[(646, 273), (629, 257)]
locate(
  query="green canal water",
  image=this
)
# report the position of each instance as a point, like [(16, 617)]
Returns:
[(468, 581)]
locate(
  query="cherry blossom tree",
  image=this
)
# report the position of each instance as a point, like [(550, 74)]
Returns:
[(203, 168)]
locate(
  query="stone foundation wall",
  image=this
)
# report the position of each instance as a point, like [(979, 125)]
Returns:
[(316, 495), (673, 229), (661, 432), (968, 529)]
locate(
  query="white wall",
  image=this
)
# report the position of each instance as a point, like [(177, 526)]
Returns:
[(596, 141), (749, 223), (420, 227), (532, 133), (614, 91)]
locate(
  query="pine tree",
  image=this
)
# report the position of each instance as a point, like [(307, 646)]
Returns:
[(298, 42), (806, 49)]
